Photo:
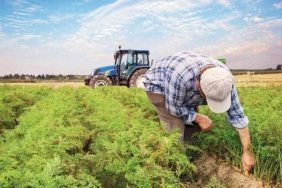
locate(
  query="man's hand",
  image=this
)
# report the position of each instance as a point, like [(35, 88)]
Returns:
[(248, 161), (204, 122)]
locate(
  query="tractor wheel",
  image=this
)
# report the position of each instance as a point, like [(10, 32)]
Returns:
[(99, 81), (137, 78)]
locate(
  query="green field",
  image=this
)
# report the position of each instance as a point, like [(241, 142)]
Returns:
[(110, 137)]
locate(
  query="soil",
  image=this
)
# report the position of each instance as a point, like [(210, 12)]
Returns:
[(214, 172)]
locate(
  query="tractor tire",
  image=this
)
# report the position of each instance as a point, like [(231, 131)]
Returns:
[(99, 81), (137, 78)]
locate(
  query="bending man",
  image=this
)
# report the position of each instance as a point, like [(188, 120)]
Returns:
[(177, 84)]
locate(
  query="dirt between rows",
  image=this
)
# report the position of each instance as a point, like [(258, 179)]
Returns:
[(213, 168)]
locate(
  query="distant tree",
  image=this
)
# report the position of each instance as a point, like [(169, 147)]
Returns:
[(38, 77), (53, 77), (22, 76), (60, 77), (16, 76), (32, 76), (279, 67), (70, 77)]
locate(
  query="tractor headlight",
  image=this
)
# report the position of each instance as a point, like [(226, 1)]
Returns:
[(107, 73)]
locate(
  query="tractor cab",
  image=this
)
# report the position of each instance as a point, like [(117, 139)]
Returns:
[(128, 61), (129, 69)]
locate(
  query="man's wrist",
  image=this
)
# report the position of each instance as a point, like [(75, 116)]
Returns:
[(194, 115), (198, 117), (247, 148)]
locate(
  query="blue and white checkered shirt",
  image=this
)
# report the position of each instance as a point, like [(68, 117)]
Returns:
[(175, 77)]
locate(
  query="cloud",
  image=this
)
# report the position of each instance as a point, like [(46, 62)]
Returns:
[(171, 26), (32, 8), (21, 13), (29, 36), (20, 19), (39, 59), (225, 3), (254, 46), (278, 5), (58, 18), (113, 23), (16, 21), (254, 19)]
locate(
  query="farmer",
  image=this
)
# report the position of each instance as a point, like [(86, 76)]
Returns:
[(177, 84)]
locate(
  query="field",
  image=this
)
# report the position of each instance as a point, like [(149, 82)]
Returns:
[(46, 84), (110, 137), (259, 80), (241, 80)]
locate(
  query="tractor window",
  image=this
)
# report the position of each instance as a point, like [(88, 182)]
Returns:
[(131, 58), (127, 60), (123, 62), (142, 59)]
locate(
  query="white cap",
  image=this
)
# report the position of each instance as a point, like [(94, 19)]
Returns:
[(216, 84)]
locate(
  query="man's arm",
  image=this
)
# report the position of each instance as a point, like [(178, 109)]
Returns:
[(240, 122), (248, 158), (245, 138)]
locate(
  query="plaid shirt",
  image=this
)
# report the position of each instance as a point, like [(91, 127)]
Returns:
[(175, 76)]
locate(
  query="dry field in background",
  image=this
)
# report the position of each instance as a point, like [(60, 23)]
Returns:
[(47, 84), (244, 80), (259, 80)]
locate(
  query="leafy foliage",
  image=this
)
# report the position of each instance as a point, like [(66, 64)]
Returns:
[(14, 101), (131, 149), (81, 137)]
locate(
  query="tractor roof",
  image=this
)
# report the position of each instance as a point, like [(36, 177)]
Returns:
[(136, 51)]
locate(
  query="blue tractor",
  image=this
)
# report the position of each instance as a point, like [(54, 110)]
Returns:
[(128, 70)]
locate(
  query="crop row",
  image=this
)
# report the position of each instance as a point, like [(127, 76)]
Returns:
[(14, 100), (81, 137)]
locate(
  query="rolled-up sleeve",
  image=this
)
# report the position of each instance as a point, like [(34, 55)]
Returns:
[(175, 92), (236, 115)]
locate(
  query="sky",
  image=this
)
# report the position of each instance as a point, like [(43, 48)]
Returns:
[(75, 36)]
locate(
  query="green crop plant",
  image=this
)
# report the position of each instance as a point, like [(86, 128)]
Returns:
[(39, 152), (137, 150), (14, 101), (85, 138)]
